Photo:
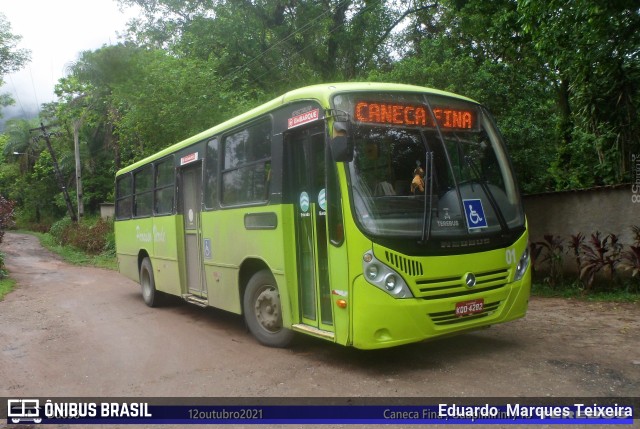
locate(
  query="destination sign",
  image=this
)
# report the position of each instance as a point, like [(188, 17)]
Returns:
[(379, 112)]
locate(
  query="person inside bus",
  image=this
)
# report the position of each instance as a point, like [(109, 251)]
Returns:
[(417, 184)]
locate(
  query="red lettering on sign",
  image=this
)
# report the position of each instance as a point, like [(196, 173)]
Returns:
[(189, 158), (303, 118)]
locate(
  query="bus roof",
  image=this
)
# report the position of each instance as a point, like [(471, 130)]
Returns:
[(321, 92)]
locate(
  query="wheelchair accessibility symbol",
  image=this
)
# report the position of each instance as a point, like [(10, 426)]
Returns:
[(475, 214), (207, 248)]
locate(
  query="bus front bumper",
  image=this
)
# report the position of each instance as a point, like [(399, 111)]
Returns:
[(381, 321)]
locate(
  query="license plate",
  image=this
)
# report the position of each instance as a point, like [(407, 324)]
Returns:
[(466, 308)]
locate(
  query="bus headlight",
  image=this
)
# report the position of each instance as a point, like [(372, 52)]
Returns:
[(390, 282), (523, 264), (372, 272), (384, 277)]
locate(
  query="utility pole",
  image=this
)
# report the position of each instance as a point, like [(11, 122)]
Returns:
[(77, 123), (47, 138), (76, 145)]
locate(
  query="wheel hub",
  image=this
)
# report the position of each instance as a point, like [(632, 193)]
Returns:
[(268, 311)]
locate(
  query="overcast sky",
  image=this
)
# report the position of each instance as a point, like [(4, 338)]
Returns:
[(56, 31)]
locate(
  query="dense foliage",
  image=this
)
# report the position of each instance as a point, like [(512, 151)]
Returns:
[(12, 58), (561, 77), (600, 261), (92, 236), (6, 215)]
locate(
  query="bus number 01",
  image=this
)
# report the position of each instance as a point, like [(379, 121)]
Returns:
[(511, 256)]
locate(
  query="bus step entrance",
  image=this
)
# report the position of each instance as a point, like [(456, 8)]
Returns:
[(313, 331), (193, 299)]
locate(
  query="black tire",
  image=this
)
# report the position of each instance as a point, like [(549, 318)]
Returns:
[(263, 311), (150, 295)]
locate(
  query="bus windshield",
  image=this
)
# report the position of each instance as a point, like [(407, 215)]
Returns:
[(428, 167)]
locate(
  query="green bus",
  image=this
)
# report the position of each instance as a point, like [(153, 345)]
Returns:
[(365, 214)]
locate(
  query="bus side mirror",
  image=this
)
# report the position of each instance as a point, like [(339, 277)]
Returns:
[(341, 149), (341, 144)]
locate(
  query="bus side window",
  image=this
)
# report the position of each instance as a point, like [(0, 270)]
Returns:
[(211, 175), (164, 187), (143, 192), (247, 158), (124, 197)]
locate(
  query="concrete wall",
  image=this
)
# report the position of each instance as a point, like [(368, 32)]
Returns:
[(607, 209), (107, 210)]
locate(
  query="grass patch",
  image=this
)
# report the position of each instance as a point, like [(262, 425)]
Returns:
[(575, 291), (6, 286), (74, 256)]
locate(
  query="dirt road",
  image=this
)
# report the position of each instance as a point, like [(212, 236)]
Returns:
[(74, 331)]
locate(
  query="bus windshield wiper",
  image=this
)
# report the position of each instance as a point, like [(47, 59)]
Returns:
[(427, 216), (428, 209)]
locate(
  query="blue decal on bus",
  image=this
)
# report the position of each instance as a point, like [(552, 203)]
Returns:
[(475, 214), (304, 202), (207, 248)]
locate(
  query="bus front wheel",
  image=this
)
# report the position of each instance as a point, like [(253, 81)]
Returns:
[(263, 311), (148, 284)]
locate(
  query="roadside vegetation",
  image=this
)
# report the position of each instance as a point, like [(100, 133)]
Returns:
[(6, 286), (89, 242), (630, 292), (595, 266)]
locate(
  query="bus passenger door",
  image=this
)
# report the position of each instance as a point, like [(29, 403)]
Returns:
[(305, 151), (191, 204)]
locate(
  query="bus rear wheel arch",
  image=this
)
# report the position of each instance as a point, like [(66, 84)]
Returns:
[(263, 310)]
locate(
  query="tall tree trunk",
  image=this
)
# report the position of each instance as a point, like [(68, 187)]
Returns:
[(333, 43)]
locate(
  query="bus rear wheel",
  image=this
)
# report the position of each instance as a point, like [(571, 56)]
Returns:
[(263, 311), (149, 293)]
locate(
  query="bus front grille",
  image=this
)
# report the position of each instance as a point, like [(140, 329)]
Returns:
[(450, 317), (450, 287), (408, 266)]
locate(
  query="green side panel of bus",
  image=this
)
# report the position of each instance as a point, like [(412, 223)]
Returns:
[(232, 245), (165, 259), (339, 279), (157, 237), (132, 237)]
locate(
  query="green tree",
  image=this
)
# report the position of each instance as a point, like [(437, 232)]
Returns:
[(593, 50), (273, 45), (477, 48), (167, 100), (12, 58), (27, 174), (21, 147)]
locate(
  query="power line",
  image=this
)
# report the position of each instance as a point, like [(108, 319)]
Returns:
[(15, 91), (33, 85), (297, 53), (304, 28)]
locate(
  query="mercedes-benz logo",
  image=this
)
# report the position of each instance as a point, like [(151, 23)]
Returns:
[(470, 281)]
